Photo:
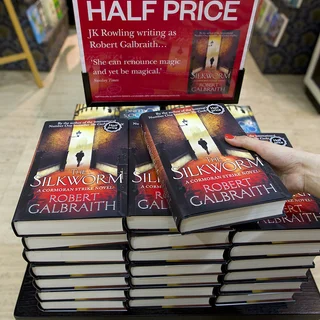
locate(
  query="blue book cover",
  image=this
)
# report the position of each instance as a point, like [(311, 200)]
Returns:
[(38, 25)]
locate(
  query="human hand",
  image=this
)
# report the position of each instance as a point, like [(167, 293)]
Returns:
[(298, 170)]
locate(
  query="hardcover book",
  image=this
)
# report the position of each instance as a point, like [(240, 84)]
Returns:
[(81, 283), (245, 117), (76, 269), (117, 295), (207, 182), (270, 263), (147, 208), (77, 181), (83, 112), (178, 241), (276, 28), (301, 223), (107, 240), (144, 270), (84, 306), (262, 12), (257, 287), (264, 275), (170, 292), (37, 21), (256, 298)]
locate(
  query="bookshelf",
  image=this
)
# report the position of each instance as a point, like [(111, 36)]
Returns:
[(297, 44), (45, 53)]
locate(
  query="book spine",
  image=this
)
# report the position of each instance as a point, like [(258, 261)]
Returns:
[(167, 188)]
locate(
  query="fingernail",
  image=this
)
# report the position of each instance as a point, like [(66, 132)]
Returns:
[(229, 136)]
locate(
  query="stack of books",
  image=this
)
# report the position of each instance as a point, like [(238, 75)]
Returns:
[(162, 261), (71, 215), (117, 214), (269, 259)]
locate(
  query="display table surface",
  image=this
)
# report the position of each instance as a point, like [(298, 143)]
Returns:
[(307, 306)]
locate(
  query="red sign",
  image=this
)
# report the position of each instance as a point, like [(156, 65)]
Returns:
[(162, 50)]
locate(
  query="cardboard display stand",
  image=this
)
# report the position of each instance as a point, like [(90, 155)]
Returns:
[(163, 52)]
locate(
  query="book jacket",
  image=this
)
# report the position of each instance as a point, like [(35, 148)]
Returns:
[(79, 170), (199, 171), (146, 196)]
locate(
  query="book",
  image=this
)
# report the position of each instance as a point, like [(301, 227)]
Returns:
[(264, 275), (257, 287), (276, 29), (50, 12), (257, 298), (272, 250), (110, 240), (147, 208), (81, 283), (207, 182), (262, 12), (194, 302), (271, 10), (170, 292), (300, 224), (70, 295), (177, 255), (175, 281), (37, 21), (84, 112), (77, 181), (195, 240), (211, 72), (74, 255), (75, 269), (137, 270), (244, 117), (82, 306), (271, 263)]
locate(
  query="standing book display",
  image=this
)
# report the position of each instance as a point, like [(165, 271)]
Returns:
[(168, 51), (86, 261)]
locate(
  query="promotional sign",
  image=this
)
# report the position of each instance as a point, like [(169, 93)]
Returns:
[(160, 50)]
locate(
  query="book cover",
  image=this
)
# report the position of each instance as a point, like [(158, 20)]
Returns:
[(146, 196), (271, 10), (277, 138), (276, 28), (50, 12), (79, 171), (212, 61), (262, 12), (38, 23), (83, 112), (301, 212), (245, 118), (201, 173), (144, 52)]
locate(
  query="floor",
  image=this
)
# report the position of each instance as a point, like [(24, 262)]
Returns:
[(278, 102)]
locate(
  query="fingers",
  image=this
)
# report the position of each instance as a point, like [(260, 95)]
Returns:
[(246, 142)]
